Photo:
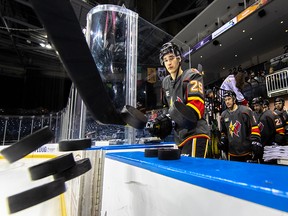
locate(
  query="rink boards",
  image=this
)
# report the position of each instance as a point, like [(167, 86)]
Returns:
[(191, 186), (124, 182)]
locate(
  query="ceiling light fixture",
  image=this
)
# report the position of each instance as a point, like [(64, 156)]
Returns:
[(48, 46)]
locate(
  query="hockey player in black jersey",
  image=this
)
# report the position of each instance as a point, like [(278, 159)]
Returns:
[(183, 95), (240, 134), (266, 105), (270, 125), (279, 109)]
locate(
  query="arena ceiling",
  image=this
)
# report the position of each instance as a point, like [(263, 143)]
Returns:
[(25, 47), (254, 40)]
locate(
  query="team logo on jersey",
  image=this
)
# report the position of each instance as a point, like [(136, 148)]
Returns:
[(261, 126), (234, 128)]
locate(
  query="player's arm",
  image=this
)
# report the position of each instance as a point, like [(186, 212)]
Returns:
[(279, 128), (223, 143), (254, 129), (187, 114), (195, 94), (255, 136)]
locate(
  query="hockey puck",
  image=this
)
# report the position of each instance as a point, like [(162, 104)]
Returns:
[(81, 167), (168, 154), (36, 195), (151, 152), (183, 115), (52, 166), (133, 117), (28, 144), (76, 144)]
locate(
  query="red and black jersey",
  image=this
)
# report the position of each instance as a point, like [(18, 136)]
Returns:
[(240, 128), (271, 128), (284, 116), (188, 88)]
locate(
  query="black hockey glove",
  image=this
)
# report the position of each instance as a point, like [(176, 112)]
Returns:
[(160, 126), (223, 144), (279, 140), (257, 150)]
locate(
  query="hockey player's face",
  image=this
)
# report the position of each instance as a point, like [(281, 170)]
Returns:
[(171, 63), (229, 101), (257, 108), (278, 105)]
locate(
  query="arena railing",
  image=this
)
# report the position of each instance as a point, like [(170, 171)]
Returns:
[(277, 83), (15, 127)]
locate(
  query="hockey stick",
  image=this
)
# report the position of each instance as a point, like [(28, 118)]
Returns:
[(63, 29)]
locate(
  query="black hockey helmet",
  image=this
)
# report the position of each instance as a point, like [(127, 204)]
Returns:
[(208, 91), (279, 99), (257, 100), (169, 47), (266, 102), (229, 93)]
